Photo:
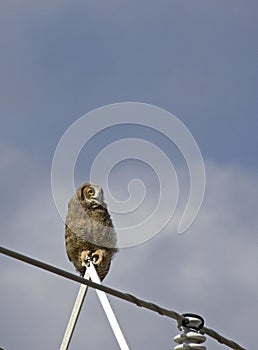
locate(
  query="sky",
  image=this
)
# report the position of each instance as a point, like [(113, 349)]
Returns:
[(198, 61)]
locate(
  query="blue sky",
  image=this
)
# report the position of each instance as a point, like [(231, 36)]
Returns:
[(196, 59)]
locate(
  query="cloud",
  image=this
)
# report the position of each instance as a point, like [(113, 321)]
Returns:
[(211, 269), (61, 61)]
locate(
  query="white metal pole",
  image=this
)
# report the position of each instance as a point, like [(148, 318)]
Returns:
[(107, 308), (75, 314)]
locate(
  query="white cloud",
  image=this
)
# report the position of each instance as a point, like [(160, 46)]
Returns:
[(211, 270)]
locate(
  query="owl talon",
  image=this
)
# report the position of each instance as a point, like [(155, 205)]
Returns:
[(85, 255), (95, 259), (98, 256)]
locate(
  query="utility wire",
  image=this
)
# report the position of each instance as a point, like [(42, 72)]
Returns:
[(128, 297)]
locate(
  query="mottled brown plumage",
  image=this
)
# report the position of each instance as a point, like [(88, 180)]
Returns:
[(89, 230)]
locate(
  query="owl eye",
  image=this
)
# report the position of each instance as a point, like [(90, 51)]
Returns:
[(90, 191)]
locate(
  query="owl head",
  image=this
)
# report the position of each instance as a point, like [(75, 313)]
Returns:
[(91, 195)]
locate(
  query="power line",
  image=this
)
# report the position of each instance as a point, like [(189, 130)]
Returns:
[(125, 296)]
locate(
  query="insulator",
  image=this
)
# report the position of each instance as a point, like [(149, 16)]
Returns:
[(191, 336)]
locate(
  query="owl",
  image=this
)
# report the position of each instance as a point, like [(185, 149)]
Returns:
[(89, 230)]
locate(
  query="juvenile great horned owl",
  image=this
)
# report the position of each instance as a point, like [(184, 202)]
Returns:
[(89, 230)]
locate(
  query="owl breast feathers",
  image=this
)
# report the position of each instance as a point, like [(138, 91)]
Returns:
[(89, 230)]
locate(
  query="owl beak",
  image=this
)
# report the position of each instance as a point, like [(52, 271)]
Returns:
[(99, 198)]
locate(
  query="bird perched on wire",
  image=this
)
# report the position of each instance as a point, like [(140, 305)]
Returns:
[(89, 231)]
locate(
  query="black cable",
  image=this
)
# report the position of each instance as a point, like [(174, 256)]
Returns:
[(128, 297)]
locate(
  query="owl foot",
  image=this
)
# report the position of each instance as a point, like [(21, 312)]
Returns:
[(98, 256), (84, 255)]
